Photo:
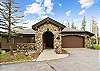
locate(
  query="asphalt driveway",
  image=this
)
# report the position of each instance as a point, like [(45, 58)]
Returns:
[(81, 59)]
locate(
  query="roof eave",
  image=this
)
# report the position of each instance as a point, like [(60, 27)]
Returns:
[(50, 20), (78, 32)]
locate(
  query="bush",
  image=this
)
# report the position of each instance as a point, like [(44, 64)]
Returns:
[(95, 46), (5, 56), (2, 52)]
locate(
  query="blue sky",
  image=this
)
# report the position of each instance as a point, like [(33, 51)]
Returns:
[(60, 10)]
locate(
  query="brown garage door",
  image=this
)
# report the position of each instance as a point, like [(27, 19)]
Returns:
[(73, 41)]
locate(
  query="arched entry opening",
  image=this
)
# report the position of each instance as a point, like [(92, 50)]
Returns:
[(48, 40)]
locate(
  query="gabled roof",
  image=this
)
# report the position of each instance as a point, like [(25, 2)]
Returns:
[(75, 31), (69, 29), (28, 31), (48, 20)]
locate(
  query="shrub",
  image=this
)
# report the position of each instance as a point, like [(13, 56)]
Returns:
[(2, 52), (95, 46)]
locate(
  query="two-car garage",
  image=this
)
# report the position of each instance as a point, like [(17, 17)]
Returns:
[(72, 41), (73, 38)]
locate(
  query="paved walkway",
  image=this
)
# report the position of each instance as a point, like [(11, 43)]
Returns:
[(49, 54)]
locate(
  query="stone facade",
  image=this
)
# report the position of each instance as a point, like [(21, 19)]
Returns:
[(42, 29)]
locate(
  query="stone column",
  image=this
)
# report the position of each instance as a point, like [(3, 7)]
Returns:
[(87, 42), (57, 46)]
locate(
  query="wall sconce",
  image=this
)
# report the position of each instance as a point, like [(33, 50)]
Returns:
[(58, 37)]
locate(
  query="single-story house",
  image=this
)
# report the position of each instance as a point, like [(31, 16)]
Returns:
[(49, 33), (23, 36), (52, 34)]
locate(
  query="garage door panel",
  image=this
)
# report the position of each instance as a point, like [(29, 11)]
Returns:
[(72, 41)]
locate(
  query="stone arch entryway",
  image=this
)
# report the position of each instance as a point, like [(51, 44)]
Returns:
[(48, 40)]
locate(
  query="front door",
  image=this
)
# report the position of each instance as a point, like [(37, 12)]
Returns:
[(48, 39)]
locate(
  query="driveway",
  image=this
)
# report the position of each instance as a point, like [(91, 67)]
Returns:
[(81, 59)]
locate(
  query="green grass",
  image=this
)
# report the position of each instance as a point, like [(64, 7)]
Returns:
[(4, 57), (21, 57), (2, 54), (7, 57)]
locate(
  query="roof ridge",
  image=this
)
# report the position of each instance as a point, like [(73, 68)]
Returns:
[(48, 19)]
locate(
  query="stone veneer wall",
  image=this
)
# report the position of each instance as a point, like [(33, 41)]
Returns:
[(87, 41), (42, 29)]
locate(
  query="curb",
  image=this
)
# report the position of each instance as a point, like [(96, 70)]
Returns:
[(5, 63)]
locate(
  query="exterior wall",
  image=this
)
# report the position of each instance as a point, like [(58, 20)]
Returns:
[(24, 39), (87, 41), (28, 46), (17, 40), (42, 29), (5, 45)]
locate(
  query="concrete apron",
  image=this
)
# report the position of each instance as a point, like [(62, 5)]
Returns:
[(49, 54)]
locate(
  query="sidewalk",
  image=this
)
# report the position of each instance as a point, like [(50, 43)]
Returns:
[(49, 54)]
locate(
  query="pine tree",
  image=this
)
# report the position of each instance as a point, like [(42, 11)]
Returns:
[(95, 28), (73, 25), (9, 17), (83, 24), (67, 24), (97, 34)]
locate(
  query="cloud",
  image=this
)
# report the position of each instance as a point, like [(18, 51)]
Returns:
[(1, 1), (34, 8), (30, 23), (40, 7), (43, 17), (39, 1), (48, 5), (68, 13), (85, 4), (82, 12), (60, 4)]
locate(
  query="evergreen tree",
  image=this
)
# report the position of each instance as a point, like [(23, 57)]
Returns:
[(94, 26), (73, 25), (83, 24), (68, 25), (9, 17), (95, 29), (97, 34)]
